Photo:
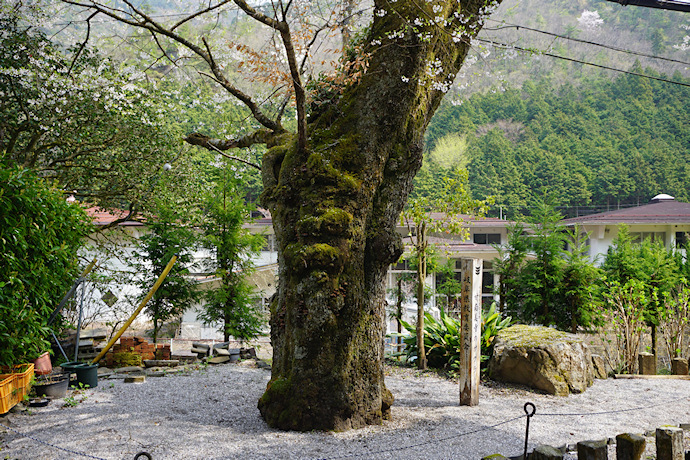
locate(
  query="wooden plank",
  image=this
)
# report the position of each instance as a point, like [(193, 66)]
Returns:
[(470, 317)]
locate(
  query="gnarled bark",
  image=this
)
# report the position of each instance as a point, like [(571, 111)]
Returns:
[(335, 206)]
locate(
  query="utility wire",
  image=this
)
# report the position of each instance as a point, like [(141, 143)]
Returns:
[(546, 53), (565, 37)]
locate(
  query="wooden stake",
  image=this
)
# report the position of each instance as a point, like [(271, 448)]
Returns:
[(471, 317)]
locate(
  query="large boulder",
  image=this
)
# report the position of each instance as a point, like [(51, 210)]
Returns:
[(542, 358)]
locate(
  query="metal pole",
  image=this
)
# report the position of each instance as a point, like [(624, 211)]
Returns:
[(81, 315), (71, 291), (138, 310)]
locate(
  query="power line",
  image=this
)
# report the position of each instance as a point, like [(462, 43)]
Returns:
[(546, 53), (565, 37)]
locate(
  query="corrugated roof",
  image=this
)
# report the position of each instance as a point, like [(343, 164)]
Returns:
[(663, 211)]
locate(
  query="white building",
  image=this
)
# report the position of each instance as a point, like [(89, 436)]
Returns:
[(663, 219)]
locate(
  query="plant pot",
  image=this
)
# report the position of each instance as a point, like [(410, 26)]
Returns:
[(53, 387), (87, 375), (42, 364)]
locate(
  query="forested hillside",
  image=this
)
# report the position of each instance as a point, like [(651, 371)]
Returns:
[(607, 142), (530, 126)]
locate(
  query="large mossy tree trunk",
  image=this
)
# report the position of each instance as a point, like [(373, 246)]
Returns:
[(335, 206)]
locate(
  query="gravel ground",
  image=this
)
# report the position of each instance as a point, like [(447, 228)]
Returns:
[(211, 414)]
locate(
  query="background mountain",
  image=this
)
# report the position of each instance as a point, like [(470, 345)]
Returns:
[(531, 127)]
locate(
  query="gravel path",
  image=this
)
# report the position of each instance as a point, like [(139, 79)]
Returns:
[(211, 414)]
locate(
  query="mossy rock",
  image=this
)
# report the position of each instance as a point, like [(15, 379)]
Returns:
[(126, 359), (542, 358)]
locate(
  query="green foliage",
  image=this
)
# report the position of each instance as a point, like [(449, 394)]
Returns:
[(81, 119), (603, 142), (443, 338), (649, 263), (169, 233), (40, 234), (541, 281), (233, 303)]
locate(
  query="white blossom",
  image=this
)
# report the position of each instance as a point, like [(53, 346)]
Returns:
[(590, 20)]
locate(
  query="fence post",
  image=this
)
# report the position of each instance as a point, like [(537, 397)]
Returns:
[(647, 363), (592, 450), (545, 452), (629, 446), (471, 318), (669, 443)]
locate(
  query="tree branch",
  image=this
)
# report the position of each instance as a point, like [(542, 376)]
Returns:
[(83, 45), (149, 24)]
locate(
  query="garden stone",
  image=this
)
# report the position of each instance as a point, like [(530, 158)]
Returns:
[(679, 366), (629, 446), (592, 450), (669, 443), (545, 452), (647, 363), (599, 367), (543, 358)]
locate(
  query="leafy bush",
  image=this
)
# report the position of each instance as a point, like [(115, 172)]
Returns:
[(40, 234), (443, 338)]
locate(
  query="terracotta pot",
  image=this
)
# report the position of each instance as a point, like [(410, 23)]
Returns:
[(42, 364)]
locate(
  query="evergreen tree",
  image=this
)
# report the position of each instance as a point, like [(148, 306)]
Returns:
[(233, 302), (169, 234)]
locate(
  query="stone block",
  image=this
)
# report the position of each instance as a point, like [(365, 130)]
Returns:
[(629, 446), (647, 363), (679, 366), (669, 443), (545, 452), (592, 450)]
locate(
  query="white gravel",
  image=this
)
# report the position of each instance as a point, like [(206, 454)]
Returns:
[(212, 414)]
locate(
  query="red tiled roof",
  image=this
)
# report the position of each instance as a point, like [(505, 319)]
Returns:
[(658, 212), (101, 216)]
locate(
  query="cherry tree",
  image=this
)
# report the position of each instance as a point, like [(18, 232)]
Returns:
[(337, 183), (75, 117)]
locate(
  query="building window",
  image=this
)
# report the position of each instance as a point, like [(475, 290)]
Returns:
[(681, 239), (487, 238), (654, 237)]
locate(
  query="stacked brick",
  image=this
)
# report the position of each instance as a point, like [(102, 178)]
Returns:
[(137, 346)]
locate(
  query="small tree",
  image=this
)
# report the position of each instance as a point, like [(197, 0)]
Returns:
[(623, 314), (578, 286), (169, 235), (234, 302), (650, 263), (675, 320), (442, 214)]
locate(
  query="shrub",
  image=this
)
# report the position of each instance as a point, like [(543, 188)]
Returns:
[(443, 338), (40, 234)]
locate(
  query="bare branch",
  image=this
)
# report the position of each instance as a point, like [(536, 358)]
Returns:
[(83, 45), (149, 24), (259, 16), (261, 136), (199, 13)]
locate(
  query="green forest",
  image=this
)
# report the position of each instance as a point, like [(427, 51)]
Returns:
[(602, 144)]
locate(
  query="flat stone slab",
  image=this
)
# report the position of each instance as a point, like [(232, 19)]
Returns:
[(161, 362), (135, 379), (129, 369), (219, 360)]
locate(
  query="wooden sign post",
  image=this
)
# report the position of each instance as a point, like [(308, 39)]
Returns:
[(470, 317)]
